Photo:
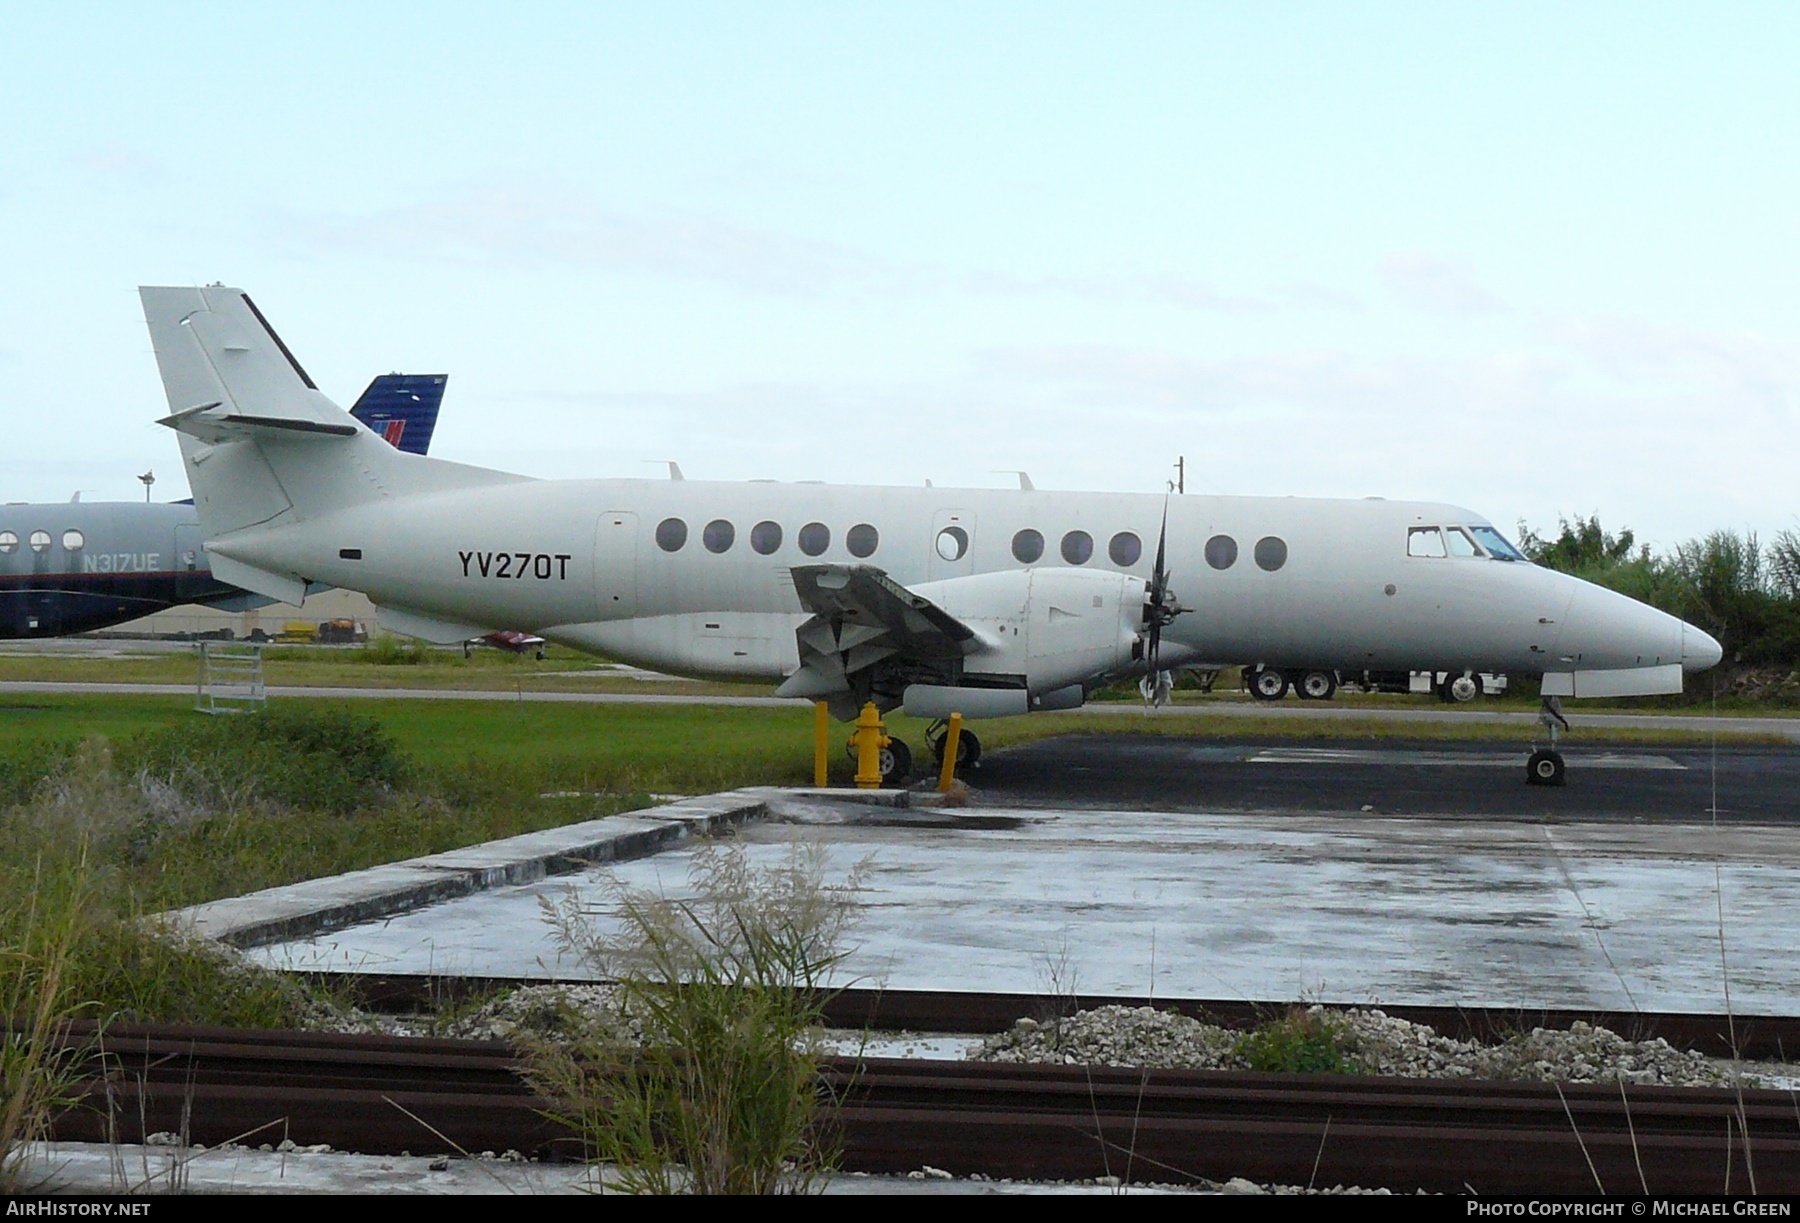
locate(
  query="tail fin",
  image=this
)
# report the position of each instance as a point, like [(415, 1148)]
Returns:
[(262, 446), (402, 409)]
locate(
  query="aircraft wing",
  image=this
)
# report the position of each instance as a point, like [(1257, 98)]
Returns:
[(861, 620)]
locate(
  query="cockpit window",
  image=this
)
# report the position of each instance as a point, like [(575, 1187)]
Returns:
[(1460, 543), (1496, 544), (1424, 541)]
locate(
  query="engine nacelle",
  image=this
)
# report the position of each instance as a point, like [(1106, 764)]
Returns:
[(1055, 628)]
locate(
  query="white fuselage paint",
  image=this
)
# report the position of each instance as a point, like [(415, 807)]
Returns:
[(583, 566)]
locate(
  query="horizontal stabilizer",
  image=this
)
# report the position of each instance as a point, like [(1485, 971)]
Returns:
[(280, 587)]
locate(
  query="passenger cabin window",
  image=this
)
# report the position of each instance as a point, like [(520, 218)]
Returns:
[(1125, 549), (73, 540), (718, 536), (1496, 544), (815, 537), (765, 537), (862, 539), (1028, 546), (1077, 547), (671, 534), (1221, 552), (1271, 553), (952, 543), (1460, 543), (40, 541), (1424, 541), (8, 542)]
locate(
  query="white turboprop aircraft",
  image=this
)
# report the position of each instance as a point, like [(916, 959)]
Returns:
[(979, 602)]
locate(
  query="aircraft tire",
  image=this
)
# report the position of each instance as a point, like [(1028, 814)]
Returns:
[(896, 762), (1268, 684), (1315, 685), (968, 749), (1545, 768), (1461, 689)]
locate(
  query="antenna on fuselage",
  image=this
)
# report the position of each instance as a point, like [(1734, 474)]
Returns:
[(1025, 484), (674, 468)]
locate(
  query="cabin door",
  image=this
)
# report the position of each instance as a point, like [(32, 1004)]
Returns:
[(615, 565)]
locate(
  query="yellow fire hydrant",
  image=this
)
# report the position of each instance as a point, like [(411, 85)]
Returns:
[(869, 739)]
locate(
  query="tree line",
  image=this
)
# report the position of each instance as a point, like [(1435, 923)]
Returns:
[(1744, 592)]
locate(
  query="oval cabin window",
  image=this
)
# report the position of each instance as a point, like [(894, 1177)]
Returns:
[(1028, 546), (718, 536), (765, 537), (40, 541), (952, 543), (1271, 553), (862, 540), (1221, 552), (1077, 547), (8, 542), (1125, 549), (73, 540), (815, 537), (671, 534)]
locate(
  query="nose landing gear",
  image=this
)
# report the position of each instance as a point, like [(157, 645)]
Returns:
[(1545, 767)]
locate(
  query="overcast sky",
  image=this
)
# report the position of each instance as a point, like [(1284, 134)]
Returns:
[(1529, 259)]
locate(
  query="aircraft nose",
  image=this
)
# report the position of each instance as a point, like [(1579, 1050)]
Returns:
[(1698, 649)]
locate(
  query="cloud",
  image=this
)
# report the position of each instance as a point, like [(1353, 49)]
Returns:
[(1435, 286), (1745, 369), (121, 166), (523, 228), (1182, 292), (1297, 382)]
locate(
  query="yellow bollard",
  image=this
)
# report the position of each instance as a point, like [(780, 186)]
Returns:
[(821, 736), (952, 741), (869, 741)]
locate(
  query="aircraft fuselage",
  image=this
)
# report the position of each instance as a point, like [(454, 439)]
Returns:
[(1285, 582)]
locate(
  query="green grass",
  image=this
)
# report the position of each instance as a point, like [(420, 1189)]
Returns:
[(381, 664)]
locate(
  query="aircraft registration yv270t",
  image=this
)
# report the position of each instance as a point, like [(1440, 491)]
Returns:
[(979, 602)]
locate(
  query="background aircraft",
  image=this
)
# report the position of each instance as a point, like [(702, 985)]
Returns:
[(980, 602), (76, 566)]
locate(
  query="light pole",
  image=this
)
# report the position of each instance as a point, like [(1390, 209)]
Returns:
[(147, 479)]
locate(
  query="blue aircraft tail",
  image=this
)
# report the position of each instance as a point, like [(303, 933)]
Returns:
[(403, 408)]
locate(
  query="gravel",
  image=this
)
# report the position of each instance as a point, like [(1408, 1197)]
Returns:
[(1372, 1042)]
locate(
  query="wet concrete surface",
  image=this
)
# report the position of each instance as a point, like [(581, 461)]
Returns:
[(1639, 782)]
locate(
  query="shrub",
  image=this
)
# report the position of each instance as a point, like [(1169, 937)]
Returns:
[(1300, 1042), (319, 759), (723, 1094)]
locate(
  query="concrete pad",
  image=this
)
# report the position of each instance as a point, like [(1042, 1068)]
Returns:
[(304, 910), (1336, 908), (95, 1168)]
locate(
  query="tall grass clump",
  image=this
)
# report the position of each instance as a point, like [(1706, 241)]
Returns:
[(719, 1091), (70, 861), (42, 927), (319, 759)]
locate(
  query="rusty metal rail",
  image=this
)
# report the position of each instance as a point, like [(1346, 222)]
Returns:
[(389, 1094), (1756, 1036)]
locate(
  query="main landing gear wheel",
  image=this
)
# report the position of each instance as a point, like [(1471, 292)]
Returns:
[(896, 762), (1268, 684), (1545, 768), (968, 747), (1316, 685), (1460, 689)]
